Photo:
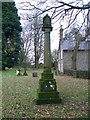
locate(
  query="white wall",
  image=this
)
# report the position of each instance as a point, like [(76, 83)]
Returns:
[(82, 60)]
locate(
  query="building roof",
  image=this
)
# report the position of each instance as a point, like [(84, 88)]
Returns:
[(69, 45)]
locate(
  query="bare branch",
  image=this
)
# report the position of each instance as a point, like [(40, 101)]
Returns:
[(75, 7)]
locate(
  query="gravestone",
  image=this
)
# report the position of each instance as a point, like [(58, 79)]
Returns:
[(34, 74), (25, 72), (18, 72), (47, 92)]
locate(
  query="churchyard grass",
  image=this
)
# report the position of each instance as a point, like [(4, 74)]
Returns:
[(19, 94)]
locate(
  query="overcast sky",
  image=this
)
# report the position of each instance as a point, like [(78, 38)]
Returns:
[(55, 32)]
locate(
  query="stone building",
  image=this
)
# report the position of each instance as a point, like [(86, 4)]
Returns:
[(83, 55), (65, 58)]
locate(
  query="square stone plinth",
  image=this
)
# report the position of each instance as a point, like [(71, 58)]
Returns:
[(47, 92), (51, 97)]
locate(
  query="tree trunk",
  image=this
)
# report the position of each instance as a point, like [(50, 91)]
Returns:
[(74, 59), (3, 67), (35, 54), (74, 56), (35, 41)]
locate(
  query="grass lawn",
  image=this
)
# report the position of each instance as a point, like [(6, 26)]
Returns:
[(19, 94)]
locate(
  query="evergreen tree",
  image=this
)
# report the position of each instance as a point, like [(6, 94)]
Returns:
[(10, 35)]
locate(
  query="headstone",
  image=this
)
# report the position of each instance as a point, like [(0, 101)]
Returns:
[(25, 72), (34, 74), (18, 72), (47, 92)]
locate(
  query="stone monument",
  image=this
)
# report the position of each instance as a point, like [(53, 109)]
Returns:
[(47, 92)]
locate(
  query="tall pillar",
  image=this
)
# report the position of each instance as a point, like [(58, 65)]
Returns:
[(88, 40), (47, 92), (47, 50)]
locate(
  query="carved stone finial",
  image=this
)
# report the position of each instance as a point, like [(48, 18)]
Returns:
[(47, 23)]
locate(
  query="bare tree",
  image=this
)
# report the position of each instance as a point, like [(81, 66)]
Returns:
[(38, 40), (32, 39), (69, 12), (60, 11), (27, 43), (55, 60)]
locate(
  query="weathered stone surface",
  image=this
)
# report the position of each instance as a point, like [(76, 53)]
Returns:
[(47, 23), (47, 92), (35, 74), (18, 72)]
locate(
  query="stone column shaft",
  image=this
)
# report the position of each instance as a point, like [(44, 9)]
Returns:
[(47, 50)]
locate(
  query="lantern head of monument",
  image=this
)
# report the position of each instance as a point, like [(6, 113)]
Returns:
[(47, 23)]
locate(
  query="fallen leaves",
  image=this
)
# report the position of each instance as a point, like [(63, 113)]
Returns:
[(19, 94)]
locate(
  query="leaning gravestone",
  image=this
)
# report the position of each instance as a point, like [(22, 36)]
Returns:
[(47, 92)]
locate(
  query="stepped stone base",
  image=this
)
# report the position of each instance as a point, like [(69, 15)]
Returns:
[(51, 97), (47, 92), (48, 101)]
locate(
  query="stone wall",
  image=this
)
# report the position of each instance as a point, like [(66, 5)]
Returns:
[(67, 60), (82, 60), (82, 64)]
